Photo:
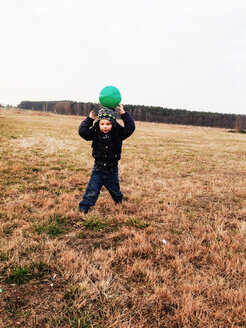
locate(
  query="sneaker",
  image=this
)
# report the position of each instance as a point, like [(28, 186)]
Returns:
[(83, 210)]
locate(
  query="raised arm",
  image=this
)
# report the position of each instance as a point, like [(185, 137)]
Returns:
[(129, 125), (85, 128)]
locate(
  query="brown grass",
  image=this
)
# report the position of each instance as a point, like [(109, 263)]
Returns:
[(185, 185)]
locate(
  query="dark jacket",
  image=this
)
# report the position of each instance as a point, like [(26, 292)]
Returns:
[(107, 147)]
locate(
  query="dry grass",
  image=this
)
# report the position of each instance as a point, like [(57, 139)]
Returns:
[(185, 185)]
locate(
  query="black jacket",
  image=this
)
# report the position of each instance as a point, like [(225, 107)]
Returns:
[(107, 147)]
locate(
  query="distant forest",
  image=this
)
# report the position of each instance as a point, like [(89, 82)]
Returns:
[(144, 113)]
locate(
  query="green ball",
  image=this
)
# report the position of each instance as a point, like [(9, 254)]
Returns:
[(110, 97)]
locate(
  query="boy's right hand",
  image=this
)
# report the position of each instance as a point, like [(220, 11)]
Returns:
[(92, 115)]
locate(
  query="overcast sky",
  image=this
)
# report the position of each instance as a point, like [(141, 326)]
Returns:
[(188, 54)]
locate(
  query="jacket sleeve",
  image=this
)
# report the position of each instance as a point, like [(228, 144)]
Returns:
[(85, 129), (129, 125)]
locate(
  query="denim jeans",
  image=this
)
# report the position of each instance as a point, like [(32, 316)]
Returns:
[(101, 177)]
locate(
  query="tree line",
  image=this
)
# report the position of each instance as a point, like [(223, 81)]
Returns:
[(144, 113)]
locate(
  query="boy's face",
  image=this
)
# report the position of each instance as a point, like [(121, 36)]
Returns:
[(105, 125)]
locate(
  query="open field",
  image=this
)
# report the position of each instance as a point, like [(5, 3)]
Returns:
[(183, 185)]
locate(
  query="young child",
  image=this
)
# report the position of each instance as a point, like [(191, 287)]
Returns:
[(107, 136)]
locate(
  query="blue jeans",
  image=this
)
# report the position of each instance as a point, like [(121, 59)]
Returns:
[(101, 177)]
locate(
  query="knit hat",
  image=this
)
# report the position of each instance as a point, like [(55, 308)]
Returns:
[(107, 114)]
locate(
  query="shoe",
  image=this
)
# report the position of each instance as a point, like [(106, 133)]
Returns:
[(83, 210)]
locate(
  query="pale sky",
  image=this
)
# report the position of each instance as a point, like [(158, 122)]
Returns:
[(187, 54)]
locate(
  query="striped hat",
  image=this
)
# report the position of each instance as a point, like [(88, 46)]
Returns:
[(107, 114)]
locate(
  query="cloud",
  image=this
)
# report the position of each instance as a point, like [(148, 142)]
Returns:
[(170, 53)]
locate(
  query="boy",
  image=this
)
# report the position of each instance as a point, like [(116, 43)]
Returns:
[(107, 136)]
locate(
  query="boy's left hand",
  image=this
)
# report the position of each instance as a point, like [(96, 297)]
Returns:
[(121, 109)]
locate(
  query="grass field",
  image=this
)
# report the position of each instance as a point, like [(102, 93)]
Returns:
[(172, 255)]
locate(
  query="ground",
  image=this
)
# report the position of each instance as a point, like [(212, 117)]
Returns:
[(172, 255)]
